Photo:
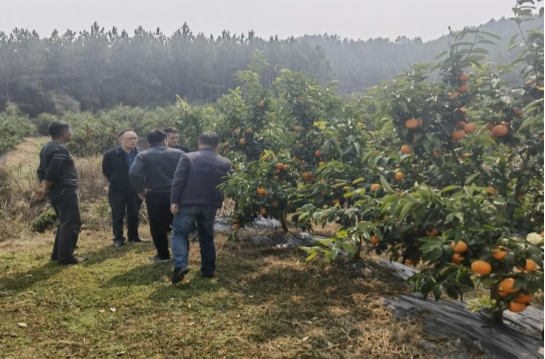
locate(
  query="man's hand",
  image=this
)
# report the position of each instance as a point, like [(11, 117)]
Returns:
[(142, 196), (42, 193), (174, 208)]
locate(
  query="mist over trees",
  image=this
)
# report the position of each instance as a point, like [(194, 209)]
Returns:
[(98, 68)]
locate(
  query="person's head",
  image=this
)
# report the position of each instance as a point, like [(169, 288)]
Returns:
[(173, 136), (209, 140), (128, 139), (157, 138), (60, 130)]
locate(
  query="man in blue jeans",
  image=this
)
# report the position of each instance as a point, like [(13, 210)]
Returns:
[(194, 196)]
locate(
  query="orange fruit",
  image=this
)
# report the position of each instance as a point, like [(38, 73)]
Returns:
[(374, 187), (457, 135), (275, 204), (530, 265), (286, 167), (516, 307), (235, 220), (463, 110), (399, 176), (236, 131), (524, 298), (279, 165), (460, 124), (453, 94), (260, 105), (375, 240), (457, 258), (318, 153), (505, 123), (236, 226), (500, 130), (463, 77), (249, 131), (492, 189), (306, 175), (302, 162), (335, 201), (242, 141), (463, 89), (481, 267), (517, 111), (321, 163), (406, 149), (437, 153), (469, 127), (507, 285), (432, 233), (409, 261), (276, 171), (298, 128), (411, 123), (498, 253), (459, 247), (261, 191), (490, 126), (263, 211), (276, 178)]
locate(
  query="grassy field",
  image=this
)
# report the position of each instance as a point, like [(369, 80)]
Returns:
[(264, 303)]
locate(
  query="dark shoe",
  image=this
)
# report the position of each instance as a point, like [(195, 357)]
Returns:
[(207, 275), (55, 258), (119, 243), (179, 274), (139, 240), (74, 260), (159, 259)]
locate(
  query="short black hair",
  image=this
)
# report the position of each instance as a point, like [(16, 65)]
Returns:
[(157, 136), (121, 133), (171, 130), (209, 139), (57, 128)]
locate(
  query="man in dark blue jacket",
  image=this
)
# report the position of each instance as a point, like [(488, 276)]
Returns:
[(121, 195), (194, 196), (151, 177)]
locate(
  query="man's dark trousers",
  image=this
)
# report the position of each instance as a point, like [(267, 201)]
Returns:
[(160, 220), (121, 202), (65, 203)]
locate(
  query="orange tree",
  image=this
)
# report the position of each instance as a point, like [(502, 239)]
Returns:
[(476, 216)]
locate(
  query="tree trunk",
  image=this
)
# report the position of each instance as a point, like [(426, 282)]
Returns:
[(494, 294), (283, 221)]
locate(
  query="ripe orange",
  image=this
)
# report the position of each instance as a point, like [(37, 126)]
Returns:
[(249, 131), (297, 128), (279, 165), (463, 77), (460, 124), (242, 141), (318, 153), (235, 220), (399, 176), (500, 130), (286, 167), (463, 89), (375, 240), (490, 126), (492, 189), (457, 135), (463, 110), (261, 191), (276, 178), (302, 162), (236, 131), (236, 226), (524, 298), (263, 211), (457, 258), (481, 267), (516, 307), (276, 171), (453, 94), (432, 233), (321, 163), (409, 261), (260, 105), (306, 175), (517, 111), (507, 285), (459, 247), (406, 149), (335, 201), (530, 266), (411, 123), (375, 186), (469, 127), (505, 123), (498, 253)]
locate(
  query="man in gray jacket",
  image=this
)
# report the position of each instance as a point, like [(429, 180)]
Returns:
[(194, 196), (151, 176)]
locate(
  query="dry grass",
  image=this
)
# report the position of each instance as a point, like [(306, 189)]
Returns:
[(265, 303)]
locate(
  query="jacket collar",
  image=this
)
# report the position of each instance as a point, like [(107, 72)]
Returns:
[(207, 149), (119, 150)]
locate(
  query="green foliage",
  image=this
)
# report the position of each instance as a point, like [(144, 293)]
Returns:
[(45, 221), (14, 125)]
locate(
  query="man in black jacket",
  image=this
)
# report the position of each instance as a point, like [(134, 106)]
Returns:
[(194, 196), (121, 195), (59, 180), (151, 176), (173, 139)]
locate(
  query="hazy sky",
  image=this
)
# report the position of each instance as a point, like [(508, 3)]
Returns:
[(348, 18)]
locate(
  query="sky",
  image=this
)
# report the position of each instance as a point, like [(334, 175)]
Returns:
[(353, 19)]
